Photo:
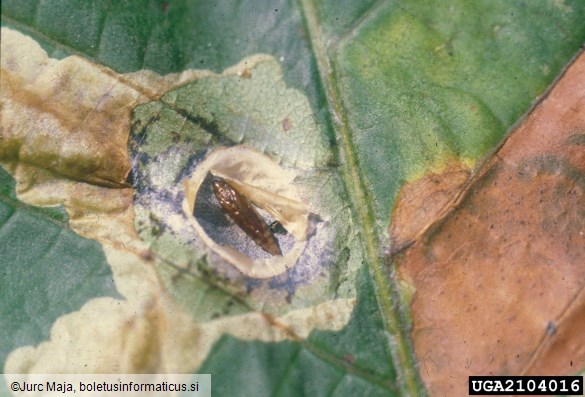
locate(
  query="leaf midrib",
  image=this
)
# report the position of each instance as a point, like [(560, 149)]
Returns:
[(386, 289)]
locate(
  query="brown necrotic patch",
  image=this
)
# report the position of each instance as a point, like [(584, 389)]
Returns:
[(498, 272)]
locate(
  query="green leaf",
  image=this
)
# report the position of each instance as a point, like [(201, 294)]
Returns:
[(346, 363), (166, 36), (428, 84), (44, 277), (395, 89)]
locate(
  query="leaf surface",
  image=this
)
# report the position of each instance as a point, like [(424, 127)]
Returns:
[(43, 280), (355, 100), (501, 268)]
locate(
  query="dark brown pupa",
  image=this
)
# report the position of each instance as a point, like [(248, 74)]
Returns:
[(245, 216)]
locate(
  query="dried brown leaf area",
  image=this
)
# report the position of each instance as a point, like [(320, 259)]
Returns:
[(500, 274)]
